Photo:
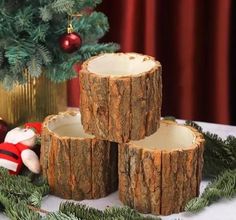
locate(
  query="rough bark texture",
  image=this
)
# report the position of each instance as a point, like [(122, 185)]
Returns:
[(121, 108), (159, 181), (78, 168)]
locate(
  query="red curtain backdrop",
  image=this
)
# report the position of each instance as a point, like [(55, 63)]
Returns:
[(191, 40), (73, 89)]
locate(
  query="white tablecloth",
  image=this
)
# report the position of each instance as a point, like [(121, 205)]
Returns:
[(222, 210)]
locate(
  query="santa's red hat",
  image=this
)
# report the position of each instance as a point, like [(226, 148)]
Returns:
[(36, 126)]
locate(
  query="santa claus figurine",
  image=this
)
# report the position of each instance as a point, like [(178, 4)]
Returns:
[(16, 149)]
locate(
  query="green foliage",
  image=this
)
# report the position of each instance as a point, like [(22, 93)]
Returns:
[(17, 192), (39, 33), (219, 163), (91, 27), (34, 66), (44, 54), (60, 216), (20, 211), (93, 49), (46, 13), (86, 4), (29, 32), (23, 19), (219, 155), (60, 6), (224, 186), (80, 211), (83, 212)]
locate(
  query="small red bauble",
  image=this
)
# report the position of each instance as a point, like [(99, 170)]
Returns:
[(70, 42)]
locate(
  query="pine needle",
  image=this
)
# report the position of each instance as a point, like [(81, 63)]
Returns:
[(219, 155), (224, 186)]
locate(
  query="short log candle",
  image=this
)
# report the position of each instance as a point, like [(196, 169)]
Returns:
[(121, 96), (161, 173), (77, 165)]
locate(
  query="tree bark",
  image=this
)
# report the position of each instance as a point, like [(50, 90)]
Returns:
[(121, 108), (160, 181), (78, 168)]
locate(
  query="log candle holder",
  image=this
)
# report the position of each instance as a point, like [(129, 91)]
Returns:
[(77, 165), (161, 173), (121, 96)]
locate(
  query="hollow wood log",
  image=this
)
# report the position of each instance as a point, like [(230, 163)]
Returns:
[(162, 172), (77, 165), (121, 96)]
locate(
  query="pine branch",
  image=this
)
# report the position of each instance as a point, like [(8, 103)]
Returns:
[(89, 50), (35, 199), (34, 66), (91, 27), (17, 192), (125, 213), (24, 18), (17, 68), (61, 6), (194, 125), (43, 53), (14, 53), (224, 186), (80, 5), (39, 33), (80, 211), (46, 13), (20, 211), (219, 154), (83, 212), (60, 216)]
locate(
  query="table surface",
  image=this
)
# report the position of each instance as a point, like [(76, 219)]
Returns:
[(222, 210)]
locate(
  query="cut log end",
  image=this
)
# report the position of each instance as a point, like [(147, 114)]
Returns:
[(121, 96), (161, 173), (77, 165)]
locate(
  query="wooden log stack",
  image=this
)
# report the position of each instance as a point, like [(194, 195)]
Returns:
[(77, 165), (161, 173), (120, 101)]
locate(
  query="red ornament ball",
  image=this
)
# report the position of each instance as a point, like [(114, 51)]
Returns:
[(70, 42)]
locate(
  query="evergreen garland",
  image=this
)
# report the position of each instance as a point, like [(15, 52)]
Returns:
[(29, 32), (219, 155), (83, 212), (18, 192), (219, 164), (224, 186)]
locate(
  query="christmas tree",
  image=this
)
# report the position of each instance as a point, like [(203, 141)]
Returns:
[(29, 33)]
